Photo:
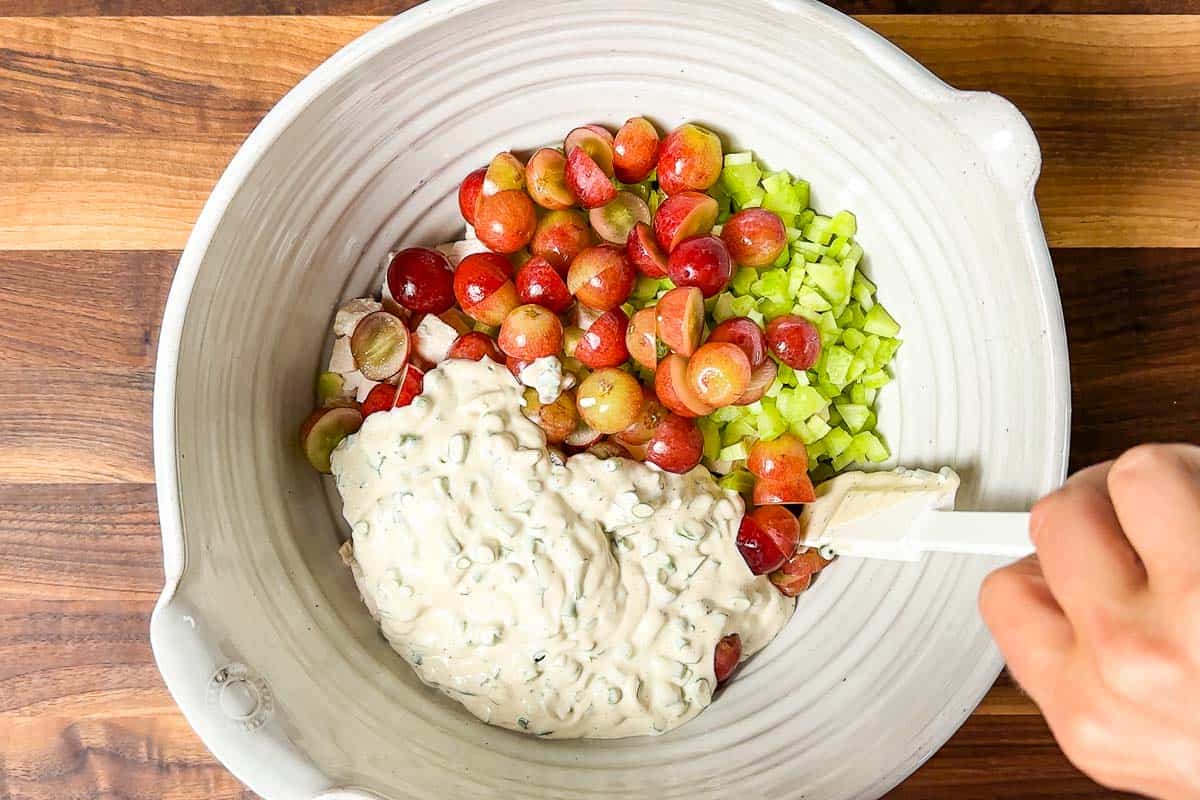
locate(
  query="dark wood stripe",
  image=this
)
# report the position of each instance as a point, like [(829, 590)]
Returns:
[(16, 8)]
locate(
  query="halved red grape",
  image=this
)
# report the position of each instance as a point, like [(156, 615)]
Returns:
[(726, 657), (468, 194), (505, 221), (475, 346), (755, 237), (680, 314), (582, 438), (780, 524), (641, 338), (683, 216), (794, 340), (380, 345), (719, 373), (635, 150), (603, 343), (483, 288), (596, 142), (745, 333), (690, 157), (609, 400), (382, 397), (760, 550), (324, 430), (642, 430), (560, 236), (601, 277), (677, 444), (539, 282), (421, 280), (505, 173), (609, 448), (411, 384), (644, 253), (781, 466), (588, 181), (614, 221), (672, 387), (557, 419), (703, 262), (531, 332), (760, 380), (797, 572), (546, 177)]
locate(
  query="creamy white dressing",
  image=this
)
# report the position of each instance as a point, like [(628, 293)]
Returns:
[(869, 513), (545, 376), (582, 599)]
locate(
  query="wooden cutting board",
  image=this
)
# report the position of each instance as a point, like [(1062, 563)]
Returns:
[(113, 130)]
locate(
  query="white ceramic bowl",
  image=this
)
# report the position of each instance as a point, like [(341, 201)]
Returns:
[(259, 633)]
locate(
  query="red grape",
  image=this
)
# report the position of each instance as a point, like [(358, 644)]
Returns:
[(641, 338), (672, 387), (560, 236), (468, 194), (683, 216), (557, 419), (381, 398), (760, 380), (546, 177), (380, 345), (539, 282), (703, 262), (797, 573), (642, 430), (601, 277), (483, 288), (475, 346), (505, 173), (324, 430), (745, 333), (689, 158), (781, 466), (794, 340), (505, 221), (726, 657), (531, 332), (680, 318), (719, 373), (755, 237), (609, 400), (421, 280), (644, 253), (411, 384), (780, 524), (615, 220), (677, 444), (760, 550), (596, 142), (603, 343), (635, 150), (588, 181)]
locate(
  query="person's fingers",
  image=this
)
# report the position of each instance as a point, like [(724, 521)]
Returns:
[(1088, 563), (1155, 491), (1026, 621)]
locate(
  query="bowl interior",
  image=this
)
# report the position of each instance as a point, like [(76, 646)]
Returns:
[(367, 154)]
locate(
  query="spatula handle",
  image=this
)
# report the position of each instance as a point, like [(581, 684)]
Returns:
[(996, 533)]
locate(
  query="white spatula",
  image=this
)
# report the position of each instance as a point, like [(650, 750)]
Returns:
[(901, 514)]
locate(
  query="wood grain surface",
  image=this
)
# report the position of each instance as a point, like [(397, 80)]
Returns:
[(112, 133)]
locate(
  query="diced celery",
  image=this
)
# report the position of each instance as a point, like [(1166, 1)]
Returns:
[(793, 235), (827, 322), (852, 256), (738, 429), (802, 378), (837, 247), (801, 431), (743, 279), (820, 230), (871, 395), (810, 250), (829, 337), (812, 316), (858, 393), (853, 339), (845, 459), (734, 452), (869, 447), (726, 414), (875, 380), (802, 192), (880, 322), (752, 199), (783, 196), (656, 200), (723, 308), (887, 349), (771, 423), (783, 260), (862, 296), (857, 367), (712, 438), (739, 480), (740, 177), (812, 300), (870, 349), (854, 415), (772, 307), (743, 305), (775, 388), (836, 441), (800, 403), (830, 279), (797, 269), (757, 317), (739, 159), (786, 375), (772, 284), (844, 224), (845, 316), (837, 364), (815, 451), (865, 282), (817, 426), (754, 409), (806, 217), (646, 288), (777, 182)]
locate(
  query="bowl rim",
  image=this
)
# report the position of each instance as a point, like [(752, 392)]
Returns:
[(241, 759)]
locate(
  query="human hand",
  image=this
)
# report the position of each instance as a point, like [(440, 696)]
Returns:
[(1102, 626)]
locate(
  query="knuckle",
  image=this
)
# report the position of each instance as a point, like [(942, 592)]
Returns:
[(1086, 737), (998, 592), (1144, 459), (1137, 663)]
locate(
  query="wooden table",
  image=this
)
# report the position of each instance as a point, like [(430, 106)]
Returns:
[(112, 133)]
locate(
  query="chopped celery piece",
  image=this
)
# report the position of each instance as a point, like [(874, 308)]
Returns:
[(812, 316), (784, 197), (837, 364), (812, 300), (786, 375), (844, 460), (793, 235), (775, 388), (734, 452), (815, 451), (726, 414), (796, 274), (772, 284), (837, 247), (818, 427), (757, 317), (862, 296), (857, 367), (739, 480), (844, 224), (870, 348), (740, 177), (853, 339), (752, 199), (858, 394), (743, 305), (828, 323), (830, 279), (800, 403), (801, 431), (819, 230), (845, 317), (880, 322), (810, 250), (772, 307), (777, 182), (875, 380), (829, 390), (836, 442), (739, 159), (871, 395), (646, 288), (803, 192), (771, 423), (869, 447), (737, 430), (829, 337), (863, 281), (712, 438), (783, 260), (854, 415), (802, 378), (723, 308), (852, 256), (887, 349), (743, 279)]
